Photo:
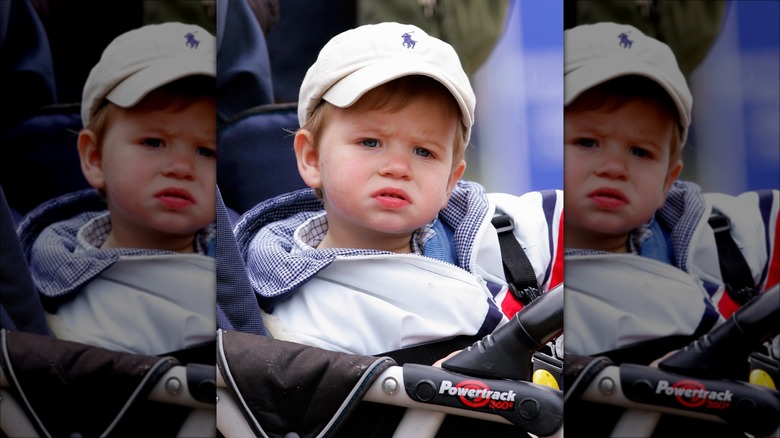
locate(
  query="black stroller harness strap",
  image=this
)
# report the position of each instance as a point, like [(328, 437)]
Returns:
[(733, 266), (517, 268)]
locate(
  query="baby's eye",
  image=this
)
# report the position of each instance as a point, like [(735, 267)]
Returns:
[(370, 143), (586, 142), (425, 153), (152, 142), (207, 152), (640, 152)]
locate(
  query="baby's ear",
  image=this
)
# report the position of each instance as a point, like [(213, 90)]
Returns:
[(308, 159), (455, 174), (91, 159), (671, 176)]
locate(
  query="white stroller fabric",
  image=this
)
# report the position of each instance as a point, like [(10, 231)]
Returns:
[(620, 300), (124, 311), (420, 300)]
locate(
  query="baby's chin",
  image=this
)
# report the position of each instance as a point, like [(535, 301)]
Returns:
[(603, 221), (599, 230), (401, 230), (182, 232)]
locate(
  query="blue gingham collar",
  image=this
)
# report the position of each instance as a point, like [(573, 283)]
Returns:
[(276, 265), (309, 235), (94, 233), (59, 262)]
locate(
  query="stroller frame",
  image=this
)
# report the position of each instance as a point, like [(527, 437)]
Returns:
[(431, 393)]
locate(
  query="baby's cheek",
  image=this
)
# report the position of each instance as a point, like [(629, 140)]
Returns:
[(344, 181)]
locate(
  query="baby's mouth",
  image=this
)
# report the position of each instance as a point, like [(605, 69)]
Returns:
[(392, 197), (608, 193), (175, 194), (390, 192), (608, 198)]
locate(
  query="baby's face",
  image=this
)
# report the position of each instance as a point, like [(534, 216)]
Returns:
[(385, 174), (159, 168), (617, 172)]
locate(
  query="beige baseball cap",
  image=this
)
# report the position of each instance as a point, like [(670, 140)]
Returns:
[(360, 59), (147, 58), (596, 53)]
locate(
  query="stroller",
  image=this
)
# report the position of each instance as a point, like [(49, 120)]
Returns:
[(706, 381), (488, 381), (687, 385)]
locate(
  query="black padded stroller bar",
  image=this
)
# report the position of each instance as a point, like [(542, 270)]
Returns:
[(723, 352), (758, 319), (750, 407), (506, 353), (536, 409)]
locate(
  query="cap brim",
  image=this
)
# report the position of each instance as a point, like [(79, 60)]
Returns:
[(131, 90), (583, 78), (349, 89)]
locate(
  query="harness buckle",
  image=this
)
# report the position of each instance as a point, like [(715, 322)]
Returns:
[(525, 295), (719, 222), (502, 223)]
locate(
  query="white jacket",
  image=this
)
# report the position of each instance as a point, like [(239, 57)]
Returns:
[(370, 302)]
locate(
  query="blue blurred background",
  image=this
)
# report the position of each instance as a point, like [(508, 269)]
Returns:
[(734, 144), (735, 134), (517, 144), (518, 135)]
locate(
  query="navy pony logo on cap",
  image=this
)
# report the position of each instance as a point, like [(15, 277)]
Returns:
[(408, 41), (624, 41), (191, 41)]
